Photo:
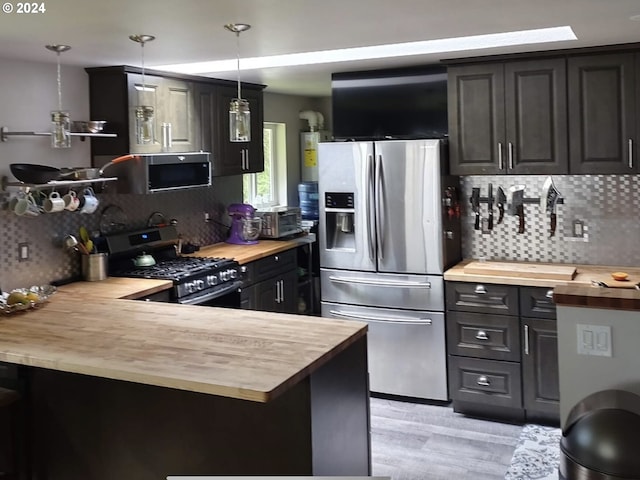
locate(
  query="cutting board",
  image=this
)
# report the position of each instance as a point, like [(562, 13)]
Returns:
[(606, 278), (510, 269)]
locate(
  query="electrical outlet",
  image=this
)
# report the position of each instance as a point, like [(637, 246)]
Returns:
[(594, 340), (23, 252)]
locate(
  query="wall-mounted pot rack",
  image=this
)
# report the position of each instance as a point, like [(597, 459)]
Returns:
[(5, 134)]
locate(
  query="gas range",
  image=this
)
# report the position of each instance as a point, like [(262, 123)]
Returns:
[(196, 280)]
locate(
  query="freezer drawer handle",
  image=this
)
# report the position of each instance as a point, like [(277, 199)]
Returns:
[(364, 281), (483, 381), (417, 321), (482, 335)]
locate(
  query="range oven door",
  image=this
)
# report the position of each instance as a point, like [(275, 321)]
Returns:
[(227, 295)]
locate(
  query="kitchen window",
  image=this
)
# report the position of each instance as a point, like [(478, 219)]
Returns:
[(261, 189)]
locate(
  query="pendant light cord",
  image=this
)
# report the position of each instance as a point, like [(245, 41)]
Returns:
[(238, 61), (142, 59), (59, 85)]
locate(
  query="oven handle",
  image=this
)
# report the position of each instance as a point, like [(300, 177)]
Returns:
[(230, 287)]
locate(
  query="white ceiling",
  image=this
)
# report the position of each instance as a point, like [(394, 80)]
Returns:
[(192, 30)]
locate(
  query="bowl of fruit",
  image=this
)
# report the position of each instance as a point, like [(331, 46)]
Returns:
[(20, 299)]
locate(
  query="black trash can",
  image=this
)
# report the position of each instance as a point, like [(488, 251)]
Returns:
[(601, 438)]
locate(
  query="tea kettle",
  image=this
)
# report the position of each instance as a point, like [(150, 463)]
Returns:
[(144, 260)]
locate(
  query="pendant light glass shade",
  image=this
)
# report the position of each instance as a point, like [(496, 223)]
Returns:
[(239, 114), (60, 120), (144, 114)]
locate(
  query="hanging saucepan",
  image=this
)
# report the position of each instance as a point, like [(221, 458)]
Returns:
[(144, 260), (118, 160)]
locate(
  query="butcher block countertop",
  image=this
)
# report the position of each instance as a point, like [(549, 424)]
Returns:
[(92, 328), (249, 253), (584, 275), (578, 292)]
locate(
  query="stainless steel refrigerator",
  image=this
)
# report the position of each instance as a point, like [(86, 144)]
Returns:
[(387, 233)]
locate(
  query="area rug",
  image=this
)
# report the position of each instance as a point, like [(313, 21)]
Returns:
[(537, 454)]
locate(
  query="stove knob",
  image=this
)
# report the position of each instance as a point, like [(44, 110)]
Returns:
[(224, 276), (199, 284), (212, 280), (233, 273), (189, 287)]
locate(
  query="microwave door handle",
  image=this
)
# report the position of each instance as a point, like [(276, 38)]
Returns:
[(379, 208), (369, 216)]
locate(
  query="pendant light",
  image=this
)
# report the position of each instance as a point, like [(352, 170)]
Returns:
[(239, 114), (60, 121), (144, 114)]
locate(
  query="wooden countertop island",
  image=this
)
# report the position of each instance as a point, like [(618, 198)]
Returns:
[(121, 388)]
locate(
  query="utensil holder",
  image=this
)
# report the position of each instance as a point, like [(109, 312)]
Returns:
[(94, 267)]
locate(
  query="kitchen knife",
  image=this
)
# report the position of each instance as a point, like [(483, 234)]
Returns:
[(502, 199), (516, 207), (475, 204), (553, 197), (490, 201)]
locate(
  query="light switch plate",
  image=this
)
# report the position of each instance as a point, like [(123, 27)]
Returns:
[(594, 340)]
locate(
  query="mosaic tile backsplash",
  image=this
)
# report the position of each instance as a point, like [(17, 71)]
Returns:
[(49, 261), (607, 205)]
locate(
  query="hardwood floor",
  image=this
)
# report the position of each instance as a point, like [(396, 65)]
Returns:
[(411, 441)]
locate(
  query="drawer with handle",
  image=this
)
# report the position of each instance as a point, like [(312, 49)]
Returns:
[(537, 302), (485, 381), (270, 266), (482, 335), (482, 298)]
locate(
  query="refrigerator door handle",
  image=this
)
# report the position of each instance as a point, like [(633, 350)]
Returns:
[(388, 283), (379, 208), (370, 318), (369, 219)]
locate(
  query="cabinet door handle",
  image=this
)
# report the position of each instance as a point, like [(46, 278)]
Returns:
[(526, 339), (549, 294), (246, 158), (281, 291), (277, 291), (510, 155), (483, 381), (482, 335), (630, 144), (480, 290), (500, 161)]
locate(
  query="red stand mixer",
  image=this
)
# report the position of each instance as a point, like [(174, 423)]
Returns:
[(245, 228)]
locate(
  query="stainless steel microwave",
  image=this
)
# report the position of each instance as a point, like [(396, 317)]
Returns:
[(279, 222), (160, 172)]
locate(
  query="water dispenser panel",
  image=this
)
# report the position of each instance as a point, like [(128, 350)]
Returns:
[(338, 200)]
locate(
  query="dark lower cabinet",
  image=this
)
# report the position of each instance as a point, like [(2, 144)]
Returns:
[(271, 284), (277, 294), (503, 362), (541, 391)]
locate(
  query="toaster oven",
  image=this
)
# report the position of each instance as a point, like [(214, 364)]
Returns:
[(279, 222)]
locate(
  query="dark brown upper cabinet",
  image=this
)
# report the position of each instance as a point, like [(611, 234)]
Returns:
[(196, 107), (602, 113), (508, 118)]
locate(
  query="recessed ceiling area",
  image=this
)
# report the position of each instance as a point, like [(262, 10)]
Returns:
[(193, 31)]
